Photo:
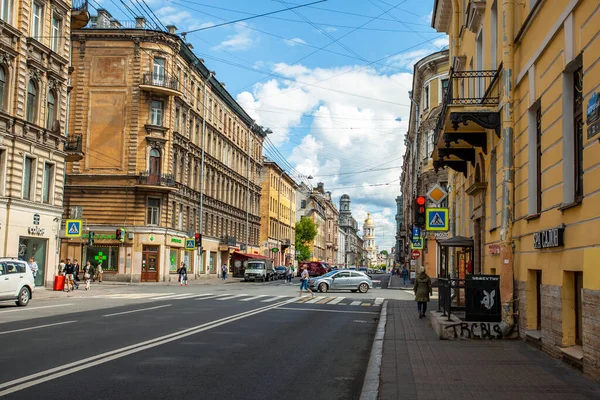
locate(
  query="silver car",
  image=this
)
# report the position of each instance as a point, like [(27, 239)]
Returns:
[(343, 280)]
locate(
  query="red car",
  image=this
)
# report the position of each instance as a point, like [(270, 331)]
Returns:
[(314, 268)]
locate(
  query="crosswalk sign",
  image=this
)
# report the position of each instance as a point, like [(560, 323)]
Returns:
[(436, 219), (73, 228), (417, 243), (190, 244)]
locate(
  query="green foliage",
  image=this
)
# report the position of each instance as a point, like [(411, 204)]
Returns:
[(381, 266), (304, 252), (306, 230), (384, 252)]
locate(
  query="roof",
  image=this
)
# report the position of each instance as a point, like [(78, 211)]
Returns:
[(456, 241)]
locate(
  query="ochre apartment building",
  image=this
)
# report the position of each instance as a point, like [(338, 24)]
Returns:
[(168, 153), (523, 94)]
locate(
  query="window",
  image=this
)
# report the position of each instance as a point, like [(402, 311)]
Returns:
[(177, 119), (108, 256), (302, 203), (50, 109), (183, 119), (2, 170), (173, 214), (38, 16), (55, 34), (48, 182), (426, 98), (538, 158), (5, 10), (28, 177), (156, 113), (578, 131), (493, 190), (3, 86), (494, 31), (444, 88), (153, 211), (154, 163), (180, 220), (31, 101)]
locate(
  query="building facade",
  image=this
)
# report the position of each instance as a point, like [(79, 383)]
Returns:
[(519, 134), (400, 248), (278, 214), (341, 250), (310, 204), (168, 153), (34, 144), (350, 227), (331, 230), (369, 241)]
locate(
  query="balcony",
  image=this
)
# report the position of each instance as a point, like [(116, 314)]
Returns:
[(160, 84), (74, 149), (80, 15), (156, 181), (469, 108)]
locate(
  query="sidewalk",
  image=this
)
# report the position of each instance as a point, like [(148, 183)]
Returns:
[(396, 282), (417, 365)]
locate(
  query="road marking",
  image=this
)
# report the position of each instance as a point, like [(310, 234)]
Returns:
[(325, 300), (133, 311), (189, 296), (366, 304), (33, 308), (336, 300), (215, 296), (36, 327), (303, 299), (322, 310), (312, 301), (68, 369), (232, 297), (173, 296), (272, 299), (378, 301), (355, 303), (254, 298)]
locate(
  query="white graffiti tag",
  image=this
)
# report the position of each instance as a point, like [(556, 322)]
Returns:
[(488, 299)]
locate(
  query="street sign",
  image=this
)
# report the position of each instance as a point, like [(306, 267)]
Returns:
[(437, 194), (437, 219), (417, 243), (416, 232), (416, 254), (73, 228), (190, 244), (413, 263)]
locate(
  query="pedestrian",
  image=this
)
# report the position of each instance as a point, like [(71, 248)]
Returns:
[(182, 271), (405, 276), (293, 270), (69, 270), (87, 274), (422, 291), (61, 267), (33, 266), (76, 273), (99, 271), (224, 271), (304, 278), (290, 273)]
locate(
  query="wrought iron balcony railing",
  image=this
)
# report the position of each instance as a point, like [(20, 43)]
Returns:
[(147, 178), (74, 144), (161, 80), (79, 5)]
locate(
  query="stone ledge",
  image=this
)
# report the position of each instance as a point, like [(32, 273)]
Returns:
[(457, 329)]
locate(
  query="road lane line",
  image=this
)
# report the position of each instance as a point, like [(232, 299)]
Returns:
[(36, 327), (355, 303), (33, 308), (232, 297), (272, 299), (138, 310), (67, 369), (253, 298), (325, 300), (336, 300), (322, 310)]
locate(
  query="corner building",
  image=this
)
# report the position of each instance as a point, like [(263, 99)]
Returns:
[(520, 128), (148, 110)]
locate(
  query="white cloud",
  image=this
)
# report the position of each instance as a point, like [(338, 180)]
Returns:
[(408, 60), (294, 42), (243, 39), (172, 16), (441, 42)]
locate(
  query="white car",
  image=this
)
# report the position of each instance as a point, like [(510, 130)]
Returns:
[(16, 281)]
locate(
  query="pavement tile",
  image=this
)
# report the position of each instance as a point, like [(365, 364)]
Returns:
[(417, 365)]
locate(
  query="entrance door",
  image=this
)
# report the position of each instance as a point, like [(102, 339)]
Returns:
[(154, 167), (150, 264), (36, 248)]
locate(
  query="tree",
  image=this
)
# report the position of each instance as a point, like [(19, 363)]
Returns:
[(384, 252), (306, 230)]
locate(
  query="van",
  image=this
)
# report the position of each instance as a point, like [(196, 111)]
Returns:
[(258, 270), (314, 268)]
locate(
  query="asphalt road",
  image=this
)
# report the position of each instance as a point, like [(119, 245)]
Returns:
[(200, 348)]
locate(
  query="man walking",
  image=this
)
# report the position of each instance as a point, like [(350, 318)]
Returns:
[(290, 273), (304, 278), (33, 266), (405, 276), (224, 271), (76, 273), (99, 271), (69, 270)]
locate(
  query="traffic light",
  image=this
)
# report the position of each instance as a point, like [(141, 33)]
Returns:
[(420, 202), (121, 235), (198, 239), (91, 239)]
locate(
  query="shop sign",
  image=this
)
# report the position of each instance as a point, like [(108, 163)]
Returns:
[(593, 115), (494, 249), (441, 235), (548, 238), (176, 240), (36, 230), (36, 219)]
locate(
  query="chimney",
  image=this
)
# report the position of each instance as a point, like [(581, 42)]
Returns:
[(190, 46), (140, 22), (172, 29), (103, 18), (223, 84), (321, 187)]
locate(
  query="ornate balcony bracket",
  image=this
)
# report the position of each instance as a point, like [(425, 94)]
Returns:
[(463, 154), (474, 139), (475, 13), (485, 119), (458, 166)]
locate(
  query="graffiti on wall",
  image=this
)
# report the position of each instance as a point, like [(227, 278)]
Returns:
[(475, 330)]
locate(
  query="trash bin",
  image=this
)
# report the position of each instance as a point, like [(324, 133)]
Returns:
[(59, 282)]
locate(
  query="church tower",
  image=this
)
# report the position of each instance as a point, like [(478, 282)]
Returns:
[(369, 239)]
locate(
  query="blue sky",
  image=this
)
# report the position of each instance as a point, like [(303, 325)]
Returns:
[(338, 113)]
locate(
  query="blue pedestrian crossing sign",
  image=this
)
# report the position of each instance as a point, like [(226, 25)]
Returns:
[(73, 228), (436, 219), (190, 244), (417, 243)]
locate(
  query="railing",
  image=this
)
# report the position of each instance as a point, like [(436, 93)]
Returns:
[(451, 296), (147, 178), (79, 5), (160, 80), (74, 144)]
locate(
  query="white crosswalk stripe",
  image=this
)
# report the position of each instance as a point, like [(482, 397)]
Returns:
[(336, 300), (232, 297), (312, 301), (215, 296), (356, 303), (173, 296), (254, 298), (272, 299), (378, 301)]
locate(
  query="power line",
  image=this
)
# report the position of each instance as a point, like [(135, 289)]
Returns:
[(252, 17)]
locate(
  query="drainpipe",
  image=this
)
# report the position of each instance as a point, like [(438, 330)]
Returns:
[(508, 185), (201, 216)]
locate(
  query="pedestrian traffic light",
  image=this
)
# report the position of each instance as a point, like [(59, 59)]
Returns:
[(198, 239), (121, 235), (420, 211), (91, 239)]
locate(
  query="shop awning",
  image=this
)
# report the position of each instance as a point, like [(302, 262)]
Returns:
[(249, 255), (456, 241)]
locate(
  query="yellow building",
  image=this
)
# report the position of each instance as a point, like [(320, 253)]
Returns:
[(519, 130), (310, 203), (430, 82), (278, 214), (168, 153)]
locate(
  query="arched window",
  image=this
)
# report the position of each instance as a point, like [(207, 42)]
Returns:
[(3, 86), (50, 109), (31, 101), (154, 166)]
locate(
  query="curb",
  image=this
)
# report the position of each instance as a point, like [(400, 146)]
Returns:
[(370, 389)]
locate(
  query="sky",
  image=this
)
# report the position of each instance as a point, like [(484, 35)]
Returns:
[(331, 81)]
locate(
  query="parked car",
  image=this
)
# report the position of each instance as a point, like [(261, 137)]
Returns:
[(370, 271), (363, 269), (16, 281), (342, 280), (259, 270), (379, 271), (314, 268), (280, 272)]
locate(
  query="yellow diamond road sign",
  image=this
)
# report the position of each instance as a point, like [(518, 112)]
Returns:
[(436, 194)]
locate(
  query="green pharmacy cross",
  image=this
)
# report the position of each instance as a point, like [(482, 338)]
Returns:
[(172, 260), (100, 257)]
